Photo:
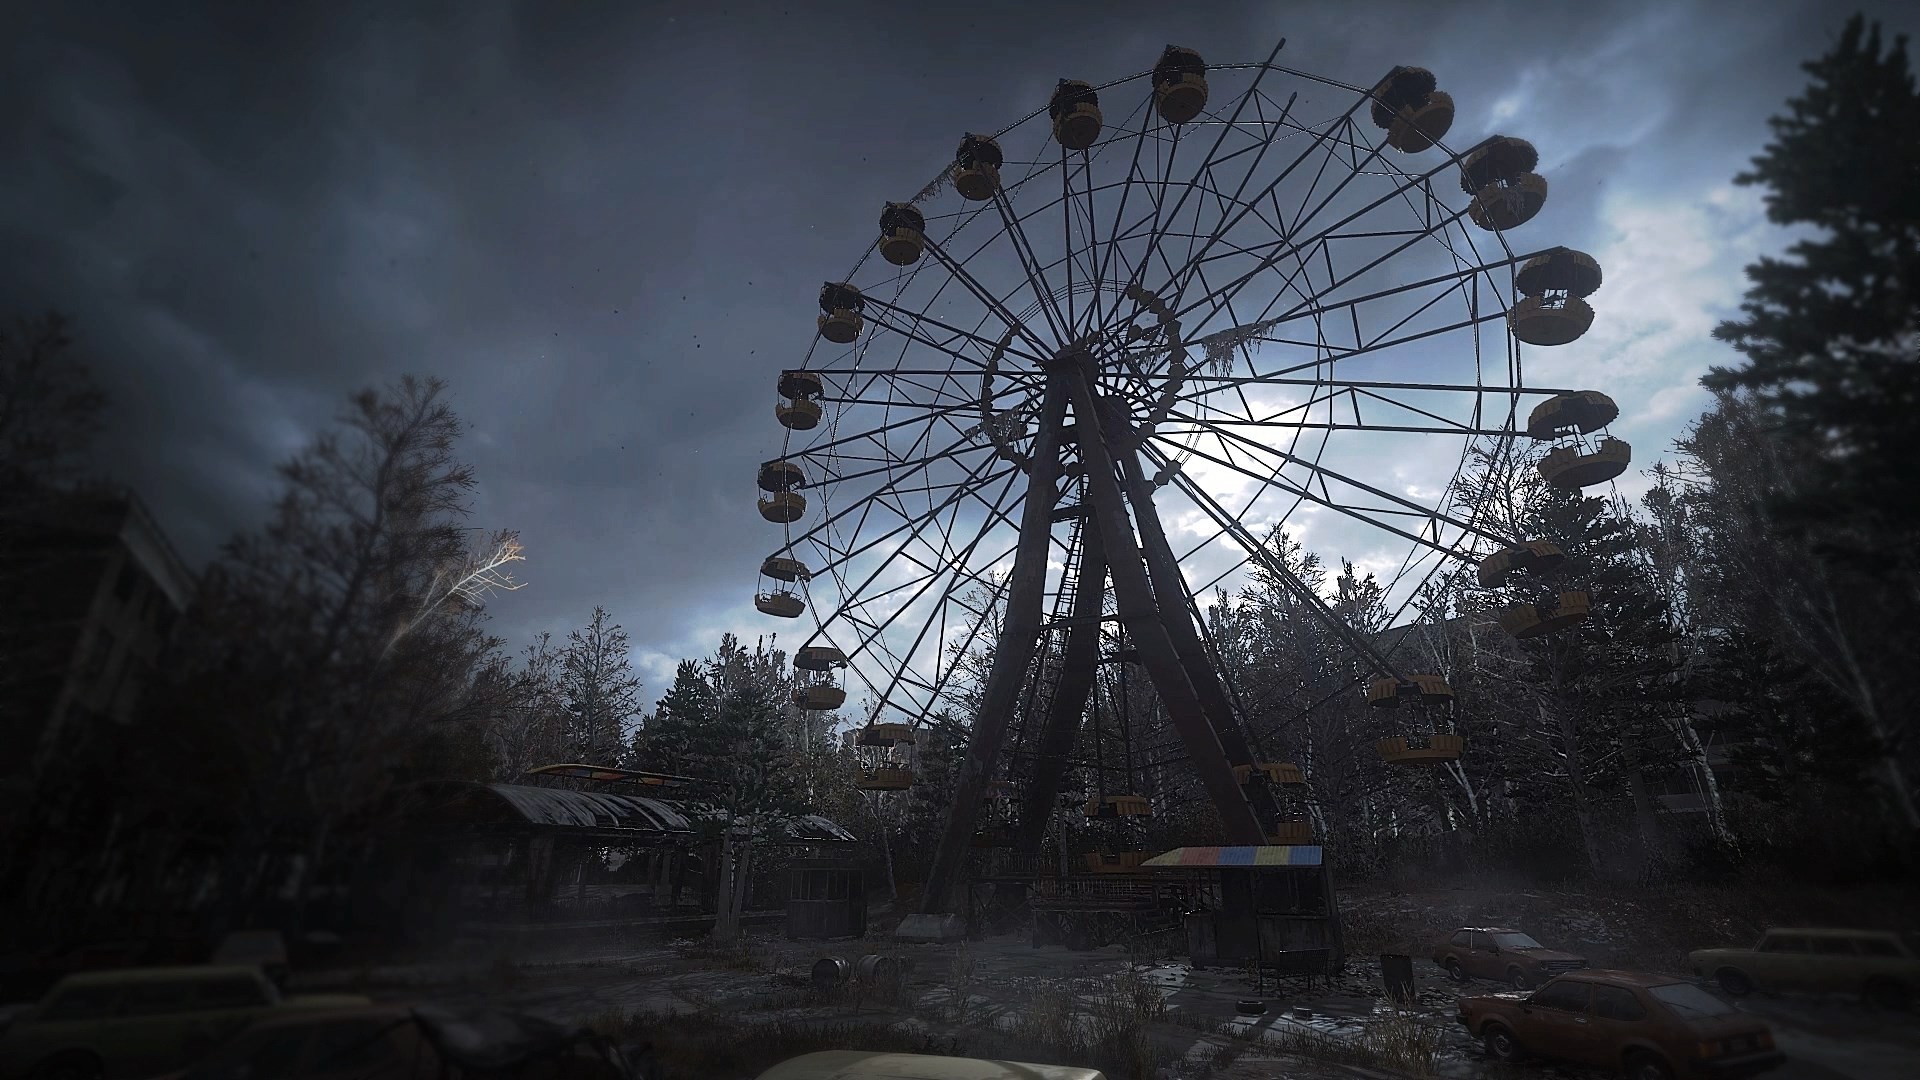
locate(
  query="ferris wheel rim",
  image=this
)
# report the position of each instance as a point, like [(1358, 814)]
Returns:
[(1451, 159)]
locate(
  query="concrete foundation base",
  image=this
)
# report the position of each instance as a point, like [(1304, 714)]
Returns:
[(931, 928)]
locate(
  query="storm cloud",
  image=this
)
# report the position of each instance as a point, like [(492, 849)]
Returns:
[(604, 224)]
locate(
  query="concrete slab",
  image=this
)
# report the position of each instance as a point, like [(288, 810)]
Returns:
[(931, 928)]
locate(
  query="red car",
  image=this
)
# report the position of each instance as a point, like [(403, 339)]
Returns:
[(1502, 955), (1651, 1027)]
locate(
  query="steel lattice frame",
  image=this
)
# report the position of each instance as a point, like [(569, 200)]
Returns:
[(1267, 295)]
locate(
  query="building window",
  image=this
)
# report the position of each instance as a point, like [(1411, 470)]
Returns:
[(99, 652), (128, 583)]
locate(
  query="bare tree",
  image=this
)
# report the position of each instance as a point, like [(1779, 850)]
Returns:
[(530, 726), (325, 642), (484, 570)]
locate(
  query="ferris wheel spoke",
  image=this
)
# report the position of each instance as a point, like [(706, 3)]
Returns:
[(863, 599), (1233, 288), (1300, 216), (831, 447), (1259, 330), (1181, 278), (1374, 384), (1219, 139), (918, 317), (1178, 281), (1030, 263), (862, 505), (1276, 478), (966, 486), (966, 401), (993, 304), (1301, 590), (1104, 260), (837, 557)]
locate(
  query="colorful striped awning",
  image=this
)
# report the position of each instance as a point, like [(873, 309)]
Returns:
[(1271, 855)]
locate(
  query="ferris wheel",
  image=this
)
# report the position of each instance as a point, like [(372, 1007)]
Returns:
[(1081, 378)]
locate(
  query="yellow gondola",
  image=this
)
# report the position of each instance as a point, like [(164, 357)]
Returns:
[(1075, 110), (976, 167), (1179, 85), (1413, 113)]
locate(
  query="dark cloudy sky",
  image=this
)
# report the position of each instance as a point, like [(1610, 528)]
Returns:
[(604, 223)]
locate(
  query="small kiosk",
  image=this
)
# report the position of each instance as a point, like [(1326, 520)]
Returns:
[(826, 898), (1271, 905)]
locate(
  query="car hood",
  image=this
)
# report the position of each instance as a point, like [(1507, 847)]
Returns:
[(1548, 955), (325, 1001), (1707, 1028)]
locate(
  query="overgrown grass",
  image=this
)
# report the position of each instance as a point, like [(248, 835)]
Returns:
[(736, 955), (1400, 1043), (961, 977), (1111, 1033), (1111, 1028)]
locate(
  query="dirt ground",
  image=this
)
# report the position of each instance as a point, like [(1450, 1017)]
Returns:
[(983, 996)]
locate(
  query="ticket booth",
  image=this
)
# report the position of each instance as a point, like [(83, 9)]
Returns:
[(1272, 905)]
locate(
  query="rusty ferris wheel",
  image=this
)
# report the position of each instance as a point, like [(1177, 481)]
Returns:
[(1197, 277)]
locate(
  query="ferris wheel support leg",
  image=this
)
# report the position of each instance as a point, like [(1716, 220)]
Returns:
[(1170, 591), (1142, 618), (1012, 655), (1080, 659)]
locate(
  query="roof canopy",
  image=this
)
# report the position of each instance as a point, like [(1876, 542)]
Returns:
[(590, 809), (523, 809), (607, 775), (1272, 855), (602, 815)]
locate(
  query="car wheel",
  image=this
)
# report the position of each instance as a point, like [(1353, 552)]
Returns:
[(1644, 1066), (1887, 994), (1501, 1045), (71, 1066), (1734, 981), (1454, 972), (1518, 979)]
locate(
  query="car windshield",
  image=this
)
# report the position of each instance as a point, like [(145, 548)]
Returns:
[(1515, 941), (1689, 1000)]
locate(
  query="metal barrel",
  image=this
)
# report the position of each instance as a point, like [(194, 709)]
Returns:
[(829, 972), (876, 969)]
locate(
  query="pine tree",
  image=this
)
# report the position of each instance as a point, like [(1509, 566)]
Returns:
[(1572, 713), (1829, 332), (601, 691), (664, 741)]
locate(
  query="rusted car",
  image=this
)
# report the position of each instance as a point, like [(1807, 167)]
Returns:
[(1880, 965), (1650, 1027), (1502, 955), (413, 1042)]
